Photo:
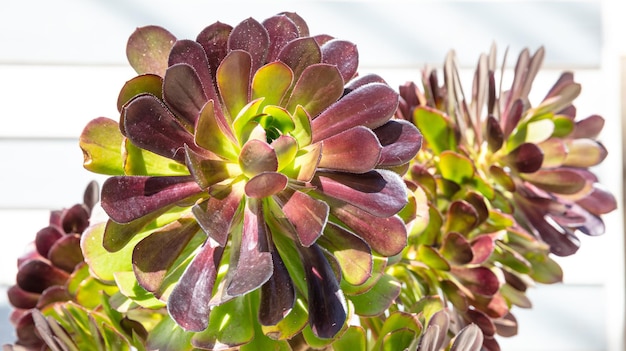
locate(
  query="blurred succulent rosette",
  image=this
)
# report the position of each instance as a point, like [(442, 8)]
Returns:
[(258, 177), (503, 184)]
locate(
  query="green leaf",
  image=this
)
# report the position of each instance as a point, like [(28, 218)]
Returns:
[(292, 324), (354, 339), (436, 129), (272, 82), (456, 167), (398, 331), (376, 300), (399, 339), (128, 285), (101, 142), (168, 336), (432, 258), (230, 324), (148, 49)]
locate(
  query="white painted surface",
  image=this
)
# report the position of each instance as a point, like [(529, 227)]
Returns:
[(62, 64)]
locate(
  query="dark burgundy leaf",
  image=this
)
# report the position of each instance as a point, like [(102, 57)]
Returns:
[(307, 215), (75, 219), (250, 36), (183, 93), (216, 215), (480, 280), (526, 158), (188, 303), (154, 255), (327, 305), (512, 118), (356, 150), (149, 125), (256, 157), (303, 28), (456, 249), (494, 134), (266, 184), (214, 39), (299, 54), (46, 237), (21, 298), (66, 253), (381, 193), (342, 54), (192, 53), (462, 217), (371, 105), (36, 276), (127, 198), (560, 180), (482, 247), (319, 86), (56, 293), (483, 321), (400, 140), (281, 30), (599, 201), (278, 295), (589, 127)]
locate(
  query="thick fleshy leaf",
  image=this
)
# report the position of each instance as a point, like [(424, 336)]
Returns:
[(251, 263), (589, 127), (502, 177), (100, 142), (278, 295), (457, 249), (128, 198), (436, 128), (271, 82), (214, 134), (432, 258), (281, 30), (291, 325), (250, 36), (148, 49), (456, 167), (400, 140), (342, 54), (36, 276), (230, 325), (191, 53), (154, 256), (299, 54), (526, 158), (546, 270), (386, 236), (599, 201), (207, 172), (560, 180), (378, 299), (233, 80), (353, 339), (356, 150), (327, 305), (22, 299), (183, 93), (469, 338), (304, 166), (256, 157), (584, 153), (494, 134), (319, 86), (138, 161), (554, 152), (188, 303), (482, 247), (352, 253), (381, 193), (65, 253), (506, 326), (461, 217), (214, 39), (307, 215), (149, 125), (266, 184), (371, 105), (216, 215), (142, 84), (286, 148), (480, 280), (46, 237)]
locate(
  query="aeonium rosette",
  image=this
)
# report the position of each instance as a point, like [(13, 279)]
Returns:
[(272, 163)]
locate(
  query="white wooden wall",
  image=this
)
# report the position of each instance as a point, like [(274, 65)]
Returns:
[(62, 63)]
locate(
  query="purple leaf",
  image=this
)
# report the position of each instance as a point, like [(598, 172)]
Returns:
[(148, 48), (386, 236), (266, 184), (589, 127), (494, 134), (456, 249), (127, 198), (300, 23), (480, 280), (342, 54), (526, 158), (154, 255), (55, 293), (512, 118), (307, 215), (371, 105), (318, 87), (356, 150), (400, 140), (462, 217), (278, 295), (381, 193), (252, 37), (281, 30), (36, 276), (188, 303), (149, 125), (46, 237), (327, 305), (183, 93), (65, 253), (560, 180), (299, 54), (233, 80), (216, 216), (482, 247), (598, 201), (251, 262), (256, 157), (22, 299), (214, 39)]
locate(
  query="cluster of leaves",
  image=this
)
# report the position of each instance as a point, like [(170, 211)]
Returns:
[(264, 196)]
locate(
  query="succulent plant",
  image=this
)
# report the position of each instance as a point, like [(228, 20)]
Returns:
[(505, 183), (57, 304), (271, 169)]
